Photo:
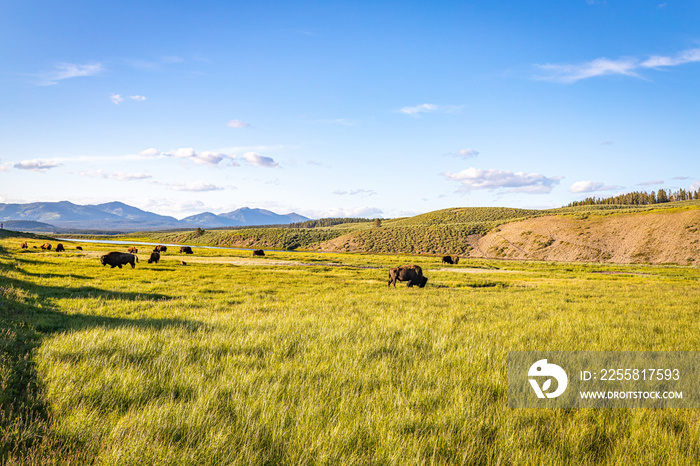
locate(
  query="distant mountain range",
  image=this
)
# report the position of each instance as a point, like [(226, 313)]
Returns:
[(117, 216)]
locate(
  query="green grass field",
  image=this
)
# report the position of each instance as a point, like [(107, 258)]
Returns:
[(303, 358)]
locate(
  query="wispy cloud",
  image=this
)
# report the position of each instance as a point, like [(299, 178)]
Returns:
[(237, 124), (117, 98), (465, 153), (68, 70), (651, 183), (153, 64), (37, 165), (195, 186), (354, 192), (261, 161), (695, 186), (530, 183), (429, 108), (120, 176), (626, 66), (188, 153), (590, 187)]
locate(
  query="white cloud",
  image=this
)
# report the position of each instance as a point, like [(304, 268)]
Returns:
[(205, 157), (120, 176), (354, 192), (4, 167), (695, 186), (69, 70), (138, 98), (531, 183), (598, 67), (687, 56), (651, 183), (350, 212), (590, 187), (150, 152), (237, 124), (117, 99), (37, 165), (195, 186), (256, 159), (428, 108), (627, 66), (467, 153)]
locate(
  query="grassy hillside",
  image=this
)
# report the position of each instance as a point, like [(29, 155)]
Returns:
[(303, 358), (659, 233)]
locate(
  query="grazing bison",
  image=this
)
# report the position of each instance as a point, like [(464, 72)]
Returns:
[(186, 250), (160, 248), (155, 257), (23, 245), (79, 248), (183, 263), (258, 252), (60, 248), (117, 259), (132, 250), (46, 246), (450, 260), (412, 274)]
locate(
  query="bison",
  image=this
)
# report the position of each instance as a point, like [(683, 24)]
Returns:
[(160, 248), (412, 274), (132, 250), (23, 245), (258, 252), (117, 259), (155, 257), (60, 248), (186, 250), (79, 248), (46, 246), (183, 263), (449, 260)]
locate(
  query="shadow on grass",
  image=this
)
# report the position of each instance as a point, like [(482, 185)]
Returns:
[(27, 315)]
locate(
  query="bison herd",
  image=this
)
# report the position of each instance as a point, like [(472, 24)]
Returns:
[(412, 274)]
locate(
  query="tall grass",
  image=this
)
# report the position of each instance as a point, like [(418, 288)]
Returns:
[(319, 363)]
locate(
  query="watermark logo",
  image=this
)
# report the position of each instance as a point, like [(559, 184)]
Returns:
[(542, 368)]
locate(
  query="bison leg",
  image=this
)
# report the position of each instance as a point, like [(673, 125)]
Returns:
[(133, 266), (118, 265)]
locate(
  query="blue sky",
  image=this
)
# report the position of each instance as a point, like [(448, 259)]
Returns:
[(339, 108)]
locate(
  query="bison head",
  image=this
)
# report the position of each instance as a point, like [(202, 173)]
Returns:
[(422, 281), (103, 260)]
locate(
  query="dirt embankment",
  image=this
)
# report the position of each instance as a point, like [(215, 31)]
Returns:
[(656, 237), (652, 237)]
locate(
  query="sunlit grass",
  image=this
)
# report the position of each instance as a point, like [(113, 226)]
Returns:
[(317, 362)]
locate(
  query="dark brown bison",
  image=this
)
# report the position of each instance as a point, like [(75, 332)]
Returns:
[(132, 250), (186, 250), (23, 245), (117, 259), (46, 246), (447, 260), (412, 274), (60, 248), (258, 252), (160, 248), (155, 257), (79, 248), (183, 263)]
